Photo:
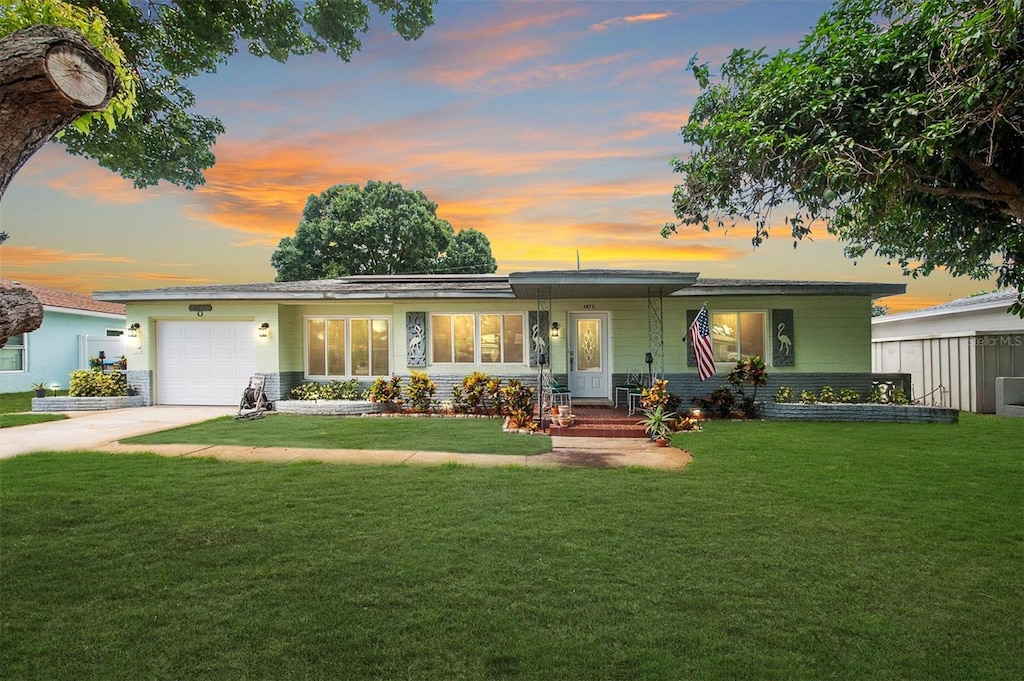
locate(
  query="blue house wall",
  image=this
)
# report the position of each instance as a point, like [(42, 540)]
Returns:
[(52, 350)]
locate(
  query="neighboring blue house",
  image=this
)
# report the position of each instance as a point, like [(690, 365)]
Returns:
[(75, 328)]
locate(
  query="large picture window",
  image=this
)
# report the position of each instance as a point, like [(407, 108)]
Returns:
[(12, 355), (347, 346), (736, 335), (473, 339)]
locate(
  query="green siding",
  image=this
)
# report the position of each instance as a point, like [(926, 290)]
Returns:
[(834, 332)]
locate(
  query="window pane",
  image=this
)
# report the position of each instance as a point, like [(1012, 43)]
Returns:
[(441, 338), (315, 362), (513, 338), (360, 347), (725, 337), (752, 334), (381, 348), (490, 338), (12, 359), (335, 347), (465, 338)]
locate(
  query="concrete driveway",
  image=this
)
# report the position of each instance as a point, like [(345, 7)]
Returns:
[(98, 429)]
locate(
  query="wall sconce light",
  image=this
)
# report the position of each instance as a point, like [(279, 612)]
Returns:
[(554, 329), (264, 329), (133, 330)]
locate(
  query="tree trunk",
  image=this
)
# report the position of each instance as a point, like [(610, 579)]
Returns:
[(49, 76), (20, 312)]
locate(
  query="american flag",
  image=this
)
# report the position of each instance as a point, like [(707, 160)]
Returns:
[(700, 336)]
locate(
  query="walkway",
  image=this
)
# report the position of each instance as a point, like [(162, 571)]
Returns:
[(102, 430)]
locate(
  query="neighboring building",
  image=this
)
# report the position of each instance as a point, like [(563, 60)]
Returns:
[(955, 351), (75, 328), (200, 345)]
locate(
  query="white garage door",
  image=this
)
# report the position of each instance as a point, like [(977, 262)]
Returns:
[(204, 362)]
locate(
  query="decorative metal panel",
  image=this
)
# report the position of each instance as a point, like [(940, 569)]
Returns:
[(416, 339), (783, 339), (539, 325)]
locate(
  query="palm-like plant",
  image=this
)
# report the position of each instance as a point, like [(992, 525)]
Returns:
[(658, 422)]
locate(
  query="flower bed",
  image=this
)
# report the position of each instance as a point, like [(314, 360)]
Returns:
[(892, 413)]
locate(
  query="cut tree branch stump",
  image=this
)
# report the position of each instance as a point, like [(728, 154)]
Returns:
[(20, 312), (49, 76)]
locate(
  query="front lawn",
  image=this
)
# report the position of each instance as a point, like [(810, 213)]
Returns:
[(457, 435), (15, 408), (784, 551)]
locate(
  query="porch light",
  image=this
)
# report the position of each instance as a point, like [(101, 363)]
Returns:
[(264, 329), (554, 329), (133, 330)]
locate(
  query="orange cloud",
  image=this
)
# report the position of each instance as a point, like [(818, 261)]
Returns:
[(80, 178), (633, 19), (33, 256)]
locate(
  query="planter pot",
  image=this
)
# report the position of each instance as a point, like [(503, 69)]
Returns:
[(563, 411), (40, 393), (661, 441)]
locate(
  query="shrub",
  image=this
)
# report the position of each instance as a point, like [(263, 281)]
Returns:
[(334, 390), (750, 371), (306, 391), (720, 402), (516, 402), (97, 384), (900, 397), (420, 392), (849, 396), (385, 390), (878, 394), (808, 397), (783, 394), (659, 395), (827, 395), (478, 394)]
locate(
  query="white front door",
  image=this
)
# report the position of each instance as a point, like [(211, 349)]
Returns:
[(589, 368), (204, 363)]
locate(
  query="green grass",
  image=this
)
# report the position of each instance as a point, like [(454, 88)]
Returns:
[(13, 407), (469, 435), (784, 551)]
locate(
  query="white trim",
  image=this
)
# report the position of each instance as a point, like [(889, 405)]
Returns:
[(84, 313)]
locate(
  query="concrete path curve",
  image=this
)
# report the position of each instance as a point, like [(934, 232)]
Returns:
[(101, 431)]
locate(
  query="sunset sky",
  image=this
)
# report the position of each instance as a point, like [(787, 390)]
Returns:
[(548, 126)]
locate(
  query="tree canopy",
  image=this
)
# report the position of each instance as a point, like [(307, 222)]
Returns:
[(380, 229), (167, 42), (899, 123)]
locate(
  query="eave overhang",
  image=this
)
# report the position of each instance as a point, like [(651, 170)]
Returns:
[(584, 284)]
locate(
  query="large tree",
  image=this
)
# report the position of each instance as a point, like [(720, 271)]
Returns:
[(166, 42), (380, 229), (899, 123)]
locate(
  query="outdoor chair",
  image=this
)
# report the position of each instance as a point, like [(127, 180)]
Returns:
[(556, 394)]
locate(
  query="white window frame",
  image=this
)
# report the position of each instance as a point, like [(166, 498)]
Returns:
[(477, 338), (348, 319), (23, 347), (766, 340)]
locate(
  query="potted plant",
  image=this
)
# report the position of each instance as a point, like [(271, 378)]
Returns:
[(40, 389), (131, 390), (658, 424)]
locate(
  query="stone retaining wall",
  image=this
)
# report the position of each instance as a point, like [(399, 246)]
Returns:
[(86, 403), (891, 413), (331, 407)]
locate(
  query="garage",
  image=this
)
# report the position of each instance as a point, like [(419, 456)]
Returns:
[(204, 363)]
